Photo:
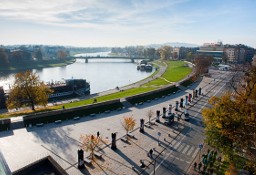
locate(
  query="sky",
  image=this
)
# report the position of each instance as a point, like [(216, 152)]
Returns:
[(119, 23)]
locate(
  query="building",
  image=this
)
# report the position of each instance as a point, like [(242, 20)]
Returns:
[(215, 50), (175, 53), (238, 53), (184, 51)]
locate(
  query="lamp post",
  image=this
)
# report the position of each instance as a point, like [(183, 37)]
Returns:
[(159, 134)]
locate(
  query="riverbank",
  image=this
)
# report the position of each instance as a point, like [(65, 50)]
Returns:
[(170, 71), (15, 67)]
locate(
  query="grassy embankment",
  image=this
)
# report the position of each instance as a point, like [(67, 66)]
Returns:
[(175, 71)]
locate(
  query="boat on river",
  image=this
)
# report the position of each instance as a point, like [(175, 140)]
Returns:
[(69, 87)]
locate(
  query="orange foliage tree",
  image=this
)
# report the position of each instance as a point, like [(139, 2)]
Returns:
[(230, 122), (128, 124)]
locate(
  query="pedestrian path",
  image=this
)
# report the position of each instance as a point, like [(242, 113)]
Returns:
[(186, 149)]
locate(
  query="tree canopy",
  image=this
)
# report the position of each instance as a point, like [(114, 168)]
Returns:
[(28, 90), (231, 120), (202, 63), (165, 52)]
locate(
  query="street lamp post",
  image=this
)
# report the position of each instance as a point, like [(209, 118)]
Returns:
[(159, 134)]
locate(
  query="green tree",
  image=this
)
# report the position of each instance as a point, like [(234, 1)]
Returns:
[(165, 52), (28, 90), (3, 57)]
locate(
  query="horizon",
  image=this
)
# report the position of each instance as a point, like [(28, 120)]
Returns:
[(93, 23)]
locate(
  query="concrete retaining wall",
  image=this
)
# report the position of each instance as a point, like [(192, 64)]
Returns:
[(65, 114)]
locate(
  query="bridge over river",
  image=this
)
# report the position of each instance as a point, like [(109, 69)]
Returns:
[(109, 57)]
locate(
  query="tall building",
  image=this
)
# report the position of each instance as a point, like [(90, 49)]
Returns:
[(183, 51), (238, 53)]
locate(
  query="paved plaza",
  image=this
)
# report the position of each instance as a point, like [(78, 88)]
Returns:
[(61, 141)]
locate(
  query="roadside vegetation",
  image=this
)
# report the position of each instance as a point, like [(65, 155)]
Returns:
[(230, 124)]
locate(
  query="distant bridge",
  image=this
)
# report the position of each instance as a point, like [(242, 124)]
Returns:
[(107, 57)]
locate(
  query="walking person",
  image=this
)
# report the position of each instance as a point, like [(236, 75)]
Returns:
[(199, 166), (195, 165)]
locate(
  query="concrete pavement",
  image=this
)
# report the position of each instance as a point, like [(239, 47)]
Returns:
[(23, 146)]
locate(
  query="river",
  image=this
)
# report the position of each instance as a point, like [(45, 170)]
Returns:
[(103, 74)]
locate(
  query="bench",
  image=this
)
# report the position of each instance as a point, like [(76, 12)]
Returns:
[(76, 118), (124, 139), (97, 154), (58, 121), (39, 124), (131, 135), (87, 161), (147, 125)]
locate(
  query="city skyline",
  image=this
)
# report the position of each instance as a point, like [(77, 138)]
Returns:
[(93, 23)]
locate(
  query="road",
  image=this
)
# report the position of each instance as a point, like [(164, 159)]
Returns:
[(184, 148)]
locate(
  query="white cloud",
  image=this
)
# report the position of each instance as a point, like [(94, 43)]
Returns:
[(89, 13)]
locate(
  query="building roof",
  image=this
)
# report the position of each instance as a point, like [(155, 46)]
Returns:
[(4, 169)]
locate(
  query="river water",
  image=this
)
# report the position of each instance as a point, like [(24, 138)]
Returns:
[(103, 74)]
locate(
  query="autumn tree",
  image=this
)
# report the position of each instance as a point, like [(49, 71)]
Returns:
[(90, 143), (231, 120), (28, 90), (61, 54), (128, 124), (202, 63)]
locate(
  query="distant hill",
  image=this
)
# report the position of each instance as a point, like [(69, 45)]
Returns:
[(173, 44)]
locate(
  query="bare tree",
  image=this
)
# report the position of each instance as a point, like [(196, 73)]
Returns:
[(202, 63), (90, 143), (149, 114)]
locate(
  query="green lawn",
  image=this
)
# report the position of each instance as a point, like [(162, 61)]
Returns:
[(156, 82), (113, 96), (176, 71)]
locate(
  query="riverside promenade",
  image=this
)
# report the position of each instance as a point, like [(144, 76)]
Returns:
[(61, 141)]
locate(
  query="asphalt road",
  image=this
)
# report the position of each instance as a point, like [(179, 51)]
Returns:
[(184, 148)]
